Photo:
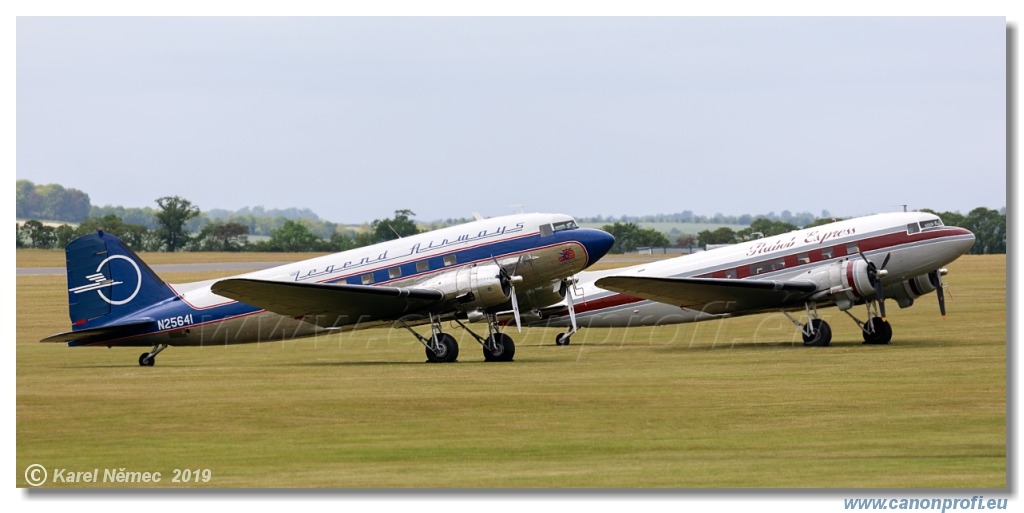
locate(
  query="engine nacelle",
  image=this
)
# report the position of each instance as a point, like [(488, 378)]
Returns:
[(905, 292), (845, 282), (479, 286)]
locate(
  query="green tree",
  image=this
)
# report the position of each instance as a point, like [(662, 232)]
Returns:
[(221, 237), (174, 212), (294, 236), (399, 226), (630, 236), (136, 236), (51, 202), (39, 235), (65, 234), (723, 235), (765, 227), (989, 227)]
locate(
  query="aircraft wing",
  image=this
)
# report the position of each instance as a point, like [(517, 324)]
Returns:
[(712, 295), (329, 304)]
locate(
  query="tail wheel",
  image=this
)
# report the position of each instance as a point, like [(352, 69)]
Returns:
[(877, 331), (145, 360), (446, 350), (821, 335), (562, 339), (501, 348)]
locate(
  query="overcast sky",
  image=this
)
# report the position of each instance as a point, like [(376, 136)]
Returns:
[(354, 118)]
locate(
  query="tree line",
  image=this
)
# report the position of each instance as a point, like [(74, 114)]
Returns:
[(171, 232), (178, 225)]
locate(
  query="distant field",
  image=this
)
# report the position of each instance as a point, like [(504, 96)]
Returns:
[(722, 404)]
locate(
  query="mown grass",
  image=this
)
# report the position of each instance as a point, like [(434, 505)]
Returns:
[(734, 403)]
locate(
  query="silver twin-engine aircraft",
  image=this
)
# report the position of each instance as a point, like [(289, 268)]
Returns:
[(461, 273), (898, 256)]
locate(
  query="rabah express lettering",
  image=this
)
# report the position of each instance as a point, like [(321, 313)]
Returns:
[(812, 237)]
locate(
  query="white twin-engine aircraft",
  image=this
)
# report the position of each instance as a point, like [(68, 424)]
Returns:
[(466, 272), (898, 256)]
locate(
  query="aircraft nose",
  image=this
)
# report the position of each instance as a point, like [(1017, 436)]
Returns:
[(966, 240), (597, 242)]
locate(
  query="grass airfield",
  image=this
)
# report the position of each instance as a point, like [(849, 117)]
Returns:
[(722, 404)]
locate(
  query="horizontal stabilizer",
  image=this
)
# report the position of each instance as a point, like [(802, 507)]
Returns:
[(712, 295), (328, 304), (92, 335)]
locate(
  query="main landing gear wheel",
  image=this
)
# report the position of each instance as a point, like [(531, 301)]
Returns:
[(562, 339), (445, 351), (877, 331), (500, 349), (146, 361), (821, 335)]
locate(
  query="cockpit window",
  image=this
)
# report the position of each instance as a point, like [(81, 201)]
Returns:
[(550, 229), (913, 228), (931, 223), (564, 225)]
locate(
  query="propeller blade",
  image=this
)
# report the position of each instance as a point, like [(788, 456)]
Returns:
[(875, 276), (886, 261), (937, 279), (515, 310), (572, 307)]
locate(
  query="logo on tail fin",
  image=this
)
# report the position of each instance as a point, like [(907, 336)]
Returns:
[(100, 281)]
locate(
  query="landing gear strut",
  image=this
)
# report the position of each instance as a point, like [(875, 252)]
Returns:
[(149, 359), (498, 347), (440, 346), (877, 330), (816, 332), (566, 288)]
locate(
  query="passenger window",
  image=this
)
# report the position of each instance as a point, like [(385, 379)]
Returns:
[(803, 258), (422, 265), (730, 274), (826, 253), (852, 249), (449, 260), (395, 272), (367, 278), (778, 263), (756, 269)]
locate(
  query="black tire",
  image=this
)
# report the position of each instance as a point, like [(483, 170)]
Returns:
[(561, 339), (504, 351), (822, 334), (877, 331), (448, 351), (146, 361)]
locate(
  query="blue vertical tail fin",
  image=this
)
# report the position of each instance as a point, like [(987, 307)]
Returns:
[(107, 281)]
